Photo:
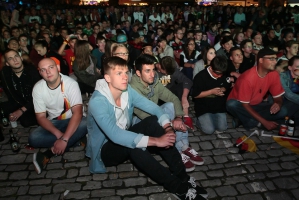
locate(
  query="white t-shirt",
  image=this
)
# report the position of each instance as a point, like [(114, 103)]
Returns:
[(52, 101)]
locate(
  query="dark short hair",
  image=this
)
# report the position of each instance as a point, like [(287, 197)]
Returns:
[(292, 60), (234, 49), (9, 50), (144, 59), (168, 64), (219, 63), (244, 42), (226, 39), (112, 62), (42, 43), (265, 52)]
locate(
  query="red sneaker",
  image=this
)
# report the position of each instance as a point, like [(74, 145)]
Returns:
[(188, 122), (194, 157), (188, 164)]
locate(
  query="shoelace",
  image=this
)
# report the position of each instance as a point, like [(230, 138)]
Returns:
[(192, 181), (193, 152), (191, 194), (185, 158)]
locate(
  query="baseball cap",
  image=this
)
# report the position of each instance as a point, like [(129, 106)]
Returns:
[(265, 52), (121, 38)]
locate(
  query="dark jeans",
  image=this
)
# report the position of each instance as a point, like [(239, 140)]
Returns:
[(40, 137), (236, 108), (26, 119), (293, 110), (113, 154)]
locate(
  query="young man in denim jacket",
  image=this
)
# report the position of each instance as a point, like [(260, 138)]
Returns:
[(112, 140), (290, 83)]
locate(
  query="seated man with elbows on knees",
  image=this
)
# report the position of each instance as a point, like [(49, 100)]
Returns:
[(58, 106)]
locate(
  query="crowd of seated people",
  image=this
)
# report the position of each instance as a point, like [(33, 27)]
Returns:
[(218, 55)]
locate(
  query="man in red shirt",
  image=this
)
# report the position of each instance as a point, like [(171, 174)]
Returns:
[(246, 100)]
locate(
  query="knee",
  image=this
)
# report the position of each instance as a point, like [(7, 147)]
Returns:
[(232, 104), (32, 139), (208, 129), (168, 108)]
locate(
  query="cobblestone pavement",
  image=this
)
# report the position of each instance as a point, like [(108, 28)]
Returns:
[(270, 173)]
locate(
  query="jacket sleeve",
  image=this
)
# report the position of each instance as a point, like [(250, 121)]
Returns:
[(199, 66), (181, 78), (285, 82)]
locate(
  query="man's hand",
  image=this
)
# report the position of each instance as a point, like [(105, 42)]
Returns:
[(270, 125), (179, 125), (217, 91), (275, 108), (166, 140), (59, 147), (235, 74), (15, 115)]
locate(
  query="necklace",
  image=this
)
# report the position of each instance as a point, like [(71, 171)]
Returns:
[(19, 71)]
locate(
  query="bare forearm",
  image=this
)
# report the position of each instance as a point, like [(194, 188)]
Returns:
[(204, 94), (73, 124), (61, 49), (47, 125), (278, 100)]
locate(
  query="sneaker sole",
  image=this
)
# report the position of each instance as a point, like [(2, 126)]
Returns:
[(36, 166), (197, 162), (190, 169), (203, 195)]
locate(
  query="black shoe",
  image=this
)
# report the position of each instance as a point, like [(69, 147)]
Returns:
[(199, 190), (190, 195), (236, 122), (39, 162)]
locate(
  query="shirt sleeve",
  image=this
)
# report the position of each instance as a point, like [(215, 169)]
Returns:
[(276, 88), (243, 91)]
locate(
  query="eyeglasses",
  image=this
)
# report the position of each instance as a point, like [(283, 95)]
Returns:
[(191, 44), (121, 54), (217, 72), (271, 58)]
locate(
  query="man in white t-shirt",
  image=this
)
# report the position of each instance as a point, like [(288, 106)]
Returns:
[(58, 107)]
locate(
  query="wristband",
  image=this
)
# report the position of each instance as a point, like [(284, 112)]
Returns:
[(65, 43), (65, 140), (22, 110)]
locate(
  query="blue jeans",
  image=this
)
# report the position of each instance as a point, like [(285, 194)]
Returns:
[(181, 137), (292, 108), (45, 139), (210, 122), (237, 110)]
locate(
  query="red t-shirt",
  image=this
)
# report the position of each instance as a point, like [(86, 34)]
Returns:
[(251, 88), (69, 57)]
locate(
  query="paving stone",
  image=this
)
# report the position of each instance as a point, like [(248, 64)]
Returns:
[(270, 185), (250, 155), (274, 166), (278, 196), (222, 143), (51, 197), (226, 191), (233, 180), (289, 165), (250, 168), (295, 193), (112, 183), (261, 168), (256, 187), (72, 173), (234, 157), (103, 193), (99, 177), (15, 168), (19, 175), (198, 175), (78, 195), (256, 176), (127, 191), (162, 196), (56, 173), (8, 191), (73, 156), (113, 176), (262, 161), (54, 166), (83, 178), (274, 153), (20, 183), (135, 181), (23, 190), (2, 167), (75, 164), (288, 158), (3, 175), (136, 198), (211, 192), (220, 159), (12, 159), (40, 189), (29, 197), (235, 171), (62, 187), (124, 168), (211, 183), (193, 139), (215, 166), (285, 183), (90, 185), (242, 189), (149, 190), (206, 145), (207, 137), (208, 160), (228, 198), (127, 174), (250, 197), (287, 173), (272, 174), (218, 152), (58, 181), (40, 182), (215, 173)]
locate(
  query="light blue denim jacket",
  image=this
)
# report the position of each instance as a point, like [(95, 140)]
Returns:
[(102, 122), (286, 82)]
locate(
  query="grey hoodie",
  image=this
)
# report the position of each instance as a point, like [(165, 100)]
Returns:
[(121, 113)]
